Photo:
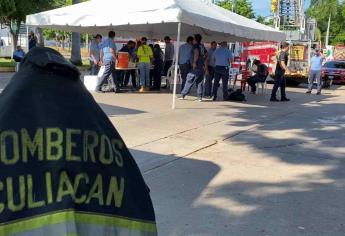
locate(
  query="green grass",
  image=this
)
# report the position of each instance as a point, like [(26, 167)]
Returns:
[(7, 62), (10, 63)]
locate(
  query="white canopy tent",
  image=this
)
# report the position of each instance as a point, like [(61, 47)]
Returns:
[(156, 19)]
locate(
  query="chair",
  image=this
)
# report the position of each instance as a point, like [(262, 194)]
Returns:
[(263, 85), (170, 77)]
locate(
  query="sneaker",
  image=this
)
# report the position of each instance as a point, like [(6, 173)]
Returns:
[(285, 100), (308, 91), (214, 99), (199, 99), (318, 93), (274, 100), (141, 90), (181, 97)]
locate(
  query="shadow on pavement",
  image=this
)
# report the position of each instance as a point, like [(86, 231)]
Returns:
[(111, 110), (309, 134), (174, 195)]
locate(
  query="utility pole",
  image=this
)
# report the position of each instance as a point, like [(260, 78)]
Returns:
[(328, 29)]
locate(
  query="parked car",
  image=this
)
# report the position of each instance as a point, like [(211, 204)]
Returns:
[(333, 72)]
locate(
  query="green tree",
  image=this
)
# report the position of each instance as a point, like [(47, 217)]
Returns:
[(241, 7), (13, 13), (321, 10)]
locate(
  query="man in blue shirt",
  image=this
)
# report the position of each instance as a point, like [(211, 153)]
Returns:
[(108, 56), (223, 58), (210, 65), (184, 58), (315, 71), (95, 54), (19, 54)]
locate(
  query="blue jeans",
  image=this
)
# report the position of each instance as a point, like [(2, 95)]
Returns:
[(194, 79), (314, 75), (221, 72), (144, 69), (184, 70), (94, 68), (108, 71), (209, 80)]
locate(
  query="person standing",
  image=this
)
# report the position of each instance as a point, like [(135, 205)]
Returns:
[(158, 67), (315, 71), (199, 63), (211, 66), (281, 69), (168, 54), (145, 55), (223, 58), (130, 49), (184, 59), (32, 40), (108, 56), (94, 55)]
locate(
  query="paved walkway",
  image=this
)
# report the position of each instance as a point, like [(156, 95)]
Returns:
[(253, 168)]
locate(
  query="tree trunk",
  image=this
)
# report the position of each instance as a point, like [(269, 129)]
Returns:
[(14, 34), (76, 54)]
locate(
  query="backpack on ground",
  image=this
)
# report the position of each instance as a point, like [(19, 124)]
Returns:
[(237, 96)]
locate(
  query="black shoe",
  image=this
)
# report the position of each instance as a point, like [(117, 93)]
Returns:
[(285, 100), (318, 93), (274, 100), (308, 92)]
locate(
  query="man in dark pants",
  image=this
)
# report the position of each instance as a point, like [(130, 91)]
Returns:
[(184, 59), (130, 49), (279, 79), (199, 63), (108, 56), (260, 76), (211, 67), (223, 58), (168, 54)]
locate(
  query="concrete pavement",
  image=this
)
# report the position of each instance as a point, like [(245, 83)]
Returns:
[(254, 168)]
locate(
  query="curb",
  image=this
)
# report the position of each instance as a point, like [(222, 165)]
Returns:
[(7, 69)]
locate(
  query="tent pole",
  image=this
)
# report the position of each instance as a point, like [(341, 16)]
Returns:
[(27, 39), (176, 64)]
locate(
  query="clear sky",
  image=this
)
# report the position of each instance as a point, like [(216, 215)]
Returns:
[(263, 7)]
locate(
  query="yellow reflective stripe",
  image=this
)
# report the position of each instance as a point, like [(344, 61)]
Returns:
[(77, 217)]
